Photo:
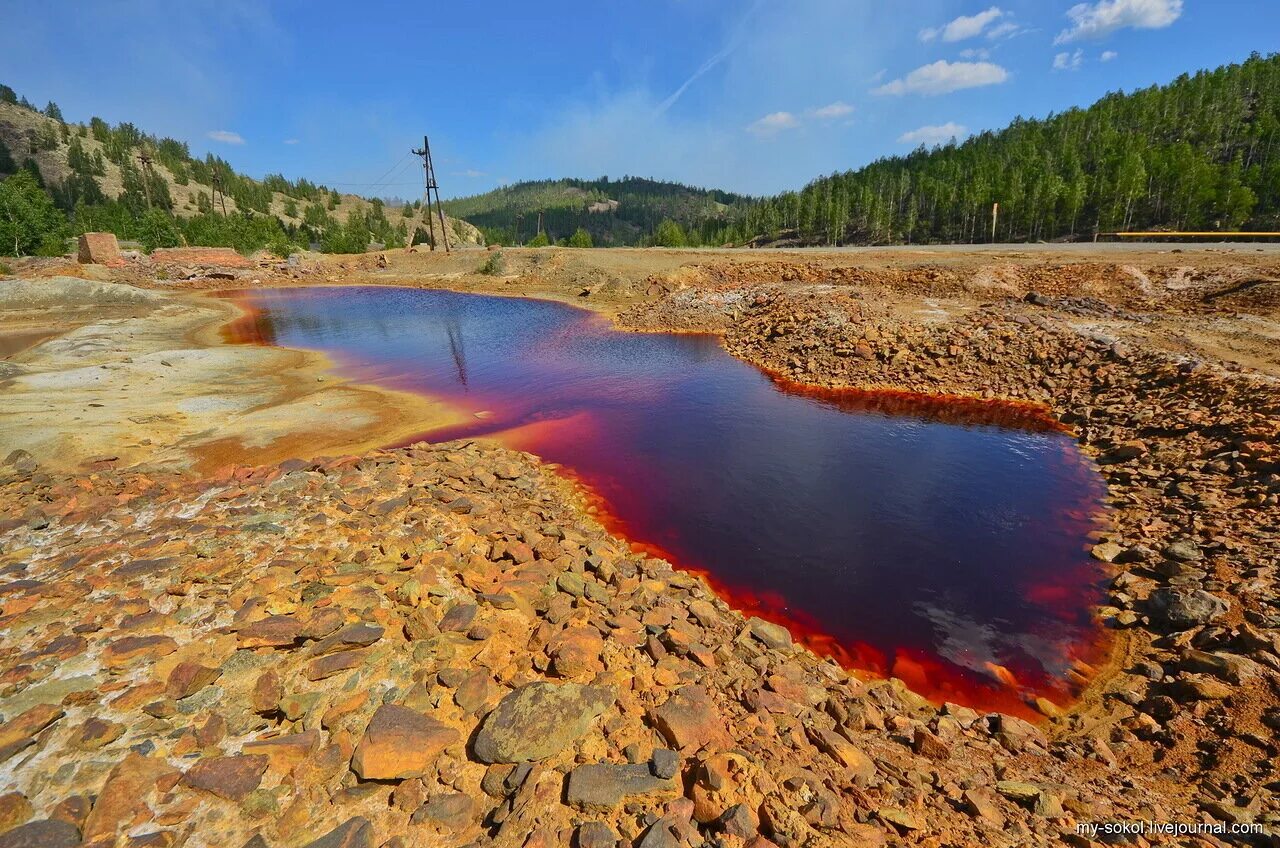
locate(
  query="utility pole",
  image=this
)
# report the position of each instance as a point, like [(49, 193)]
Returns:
[(145, 158), (218, 194), (429, 184)]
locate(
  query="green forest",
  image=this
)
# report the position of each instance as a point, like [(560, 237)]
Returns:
[(39, 213), (1201, 153), (510, 215)]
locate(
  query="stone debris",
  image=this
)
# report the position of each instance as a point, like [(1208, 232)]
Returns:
[(437, 645)]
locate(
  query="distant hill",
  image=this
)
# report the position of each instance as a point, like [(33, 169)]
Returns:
[(96, 175), (1200, 153), (615, 212)]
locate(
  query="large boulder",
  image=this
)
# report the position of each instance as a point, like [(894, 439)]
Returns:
[(100, 249), (539, 720)]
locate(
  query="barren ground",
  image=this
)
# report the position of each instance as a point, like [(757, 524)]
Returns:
[(215, 634)]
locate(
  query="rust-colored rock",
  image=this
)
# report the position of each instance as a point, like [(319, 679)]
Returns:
[(100, 249), (399, 743), (231, 778)]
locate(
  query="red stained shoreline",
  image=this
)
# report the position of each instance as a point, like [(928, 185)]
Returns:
[(923, 674)]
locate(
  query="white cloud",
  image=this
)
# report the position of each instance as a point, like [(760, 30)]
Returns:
[(1005, 29), (831, 111), (1068, 61), (290, 141), (1098, 20), (225, 136), (975, 53), (773, 123), (470, 172), (934, 134), (965, 26), (942, 77), (1107, 55)]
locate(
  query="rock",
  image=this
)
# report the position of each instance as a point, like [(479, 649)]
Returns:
[(690, 720), (575, 651), (1020, 792), (739, 821), (1184, 610), (843, 752), (929, 745), (399, 743), (981, 803), (42, 833), (571, 584), (14, 810), (349, 638), (231, 778), (274, 631), (773, 636), (449, 810), (328, 666), (595, 834), (97, 732), (1107, 551), (1184, 551), (21, 731), (99, 249), (664, 763), (123, 800), (188, 678), (353, 833), (899, 818), (539, 720), (132, 649), (458, 619), (605, 785)]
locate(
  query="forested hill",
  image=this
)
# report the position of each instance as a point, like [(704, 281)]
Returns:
[(67, 178), (628, 211), (1201, 153)]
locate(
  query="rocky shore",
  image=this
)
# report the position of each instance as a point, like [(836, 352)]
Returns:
[(440, 645)]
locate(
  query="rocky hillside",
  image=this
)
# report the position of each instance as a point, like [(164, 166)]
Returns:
[(66, 151)]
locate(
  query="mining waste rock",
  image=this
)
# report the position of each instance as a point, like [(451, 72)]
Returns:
[(370, 650)]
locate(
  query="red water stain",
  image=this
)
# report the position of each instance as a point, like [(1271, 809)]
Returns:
[(985, 686)]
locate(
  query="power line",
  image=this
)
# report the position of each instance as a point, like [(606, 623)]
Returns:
[(429, 184)]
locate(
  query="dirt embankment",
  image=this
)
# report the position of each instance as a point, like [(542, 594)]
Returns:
[(440, 644)]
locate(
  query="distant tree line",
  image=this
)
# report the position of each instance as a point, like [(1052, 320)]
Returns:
[(611, 213), (1197, 154)]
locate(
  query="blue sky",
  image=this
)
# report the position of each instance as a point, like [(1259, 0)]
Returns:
[(750, 96)]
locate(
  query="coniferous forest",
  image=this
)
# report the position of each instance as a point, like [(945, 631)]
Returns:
[(1201, 153)]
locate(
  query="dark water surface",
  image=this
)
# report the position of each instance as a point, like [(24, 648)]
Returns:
[(900, 534)]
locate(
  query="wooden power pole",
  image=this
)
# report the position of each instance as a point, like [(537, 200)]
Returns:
[(145, 158), (429, 185), (218, 194)]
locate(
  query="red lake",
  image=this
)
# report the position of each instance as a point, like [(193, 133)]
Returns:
[(942, 541)]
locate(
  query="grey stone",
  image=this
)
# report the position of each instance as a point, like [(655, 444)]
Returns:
[(42, 833), (1184, 610), (606, 785), (665, 763)]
